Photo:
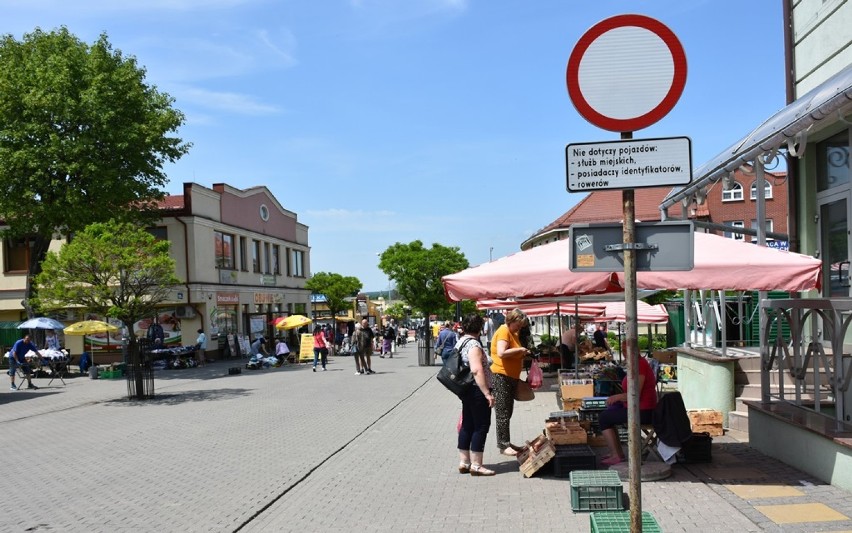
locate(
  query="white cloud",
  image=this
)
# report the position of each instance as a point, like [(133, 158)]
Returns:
[(283, 48), (241, 104)]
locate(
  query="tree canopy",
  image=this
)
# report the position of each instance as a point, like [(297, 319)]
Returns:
[(83, 138), (418, 270), (116, 269), (336, 288)]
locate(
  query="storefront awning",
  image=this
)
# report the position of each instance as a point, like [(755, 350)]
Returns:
[(787, 128)]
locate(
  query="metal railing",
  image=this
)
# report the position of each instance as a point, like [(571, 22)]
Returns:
[(818, 329)]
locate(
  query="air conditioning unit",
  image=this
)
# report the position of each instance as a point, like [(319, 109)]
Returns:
[(184, 311)]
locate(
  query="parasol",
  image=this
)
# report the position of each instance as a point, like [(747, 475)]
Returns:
[(89, 327), (42, 322), (293, 321)]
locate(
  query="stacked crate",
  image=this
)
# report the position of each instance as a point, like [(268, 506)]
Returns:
[(706, 421), (573, 457), (536, 454)]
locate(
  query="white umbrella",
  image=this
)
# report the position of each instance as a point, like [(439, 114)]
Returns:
[(42, 322)]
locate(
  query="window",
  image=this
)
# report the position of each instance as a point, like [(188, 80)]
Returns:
[(767, 190), (298, 264), (243, 254), (18, 252), (833, 161), (769, 227), (255, 256), (224, 250), (735, 224), (276, 260), (267, 257), (733, 193), (159, 232)]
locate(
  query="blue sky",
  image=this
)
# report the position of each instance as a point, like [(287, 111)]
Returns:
[(383, 121)]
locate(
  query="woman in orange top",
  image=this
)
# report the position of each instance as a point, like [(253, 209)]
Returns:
[(508, 354)]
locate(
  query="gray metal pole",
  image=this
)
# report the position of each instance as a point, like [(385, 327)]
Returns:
[(633, 443)]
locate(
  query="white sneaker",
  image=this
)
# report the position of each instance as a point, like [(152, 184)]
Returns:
[(358, 373), (323, 369)]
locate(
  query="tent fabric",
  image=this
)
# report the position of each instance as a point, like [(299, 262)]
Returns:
[(719, 264), (645, 313), (584, 310)]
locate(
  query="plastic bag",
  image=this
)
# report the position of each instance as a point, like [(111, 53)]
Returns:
[(535, 376)]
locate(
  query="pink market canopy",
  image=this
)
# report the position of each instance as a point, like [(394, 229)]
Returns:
[(584, 310), (720, 264)]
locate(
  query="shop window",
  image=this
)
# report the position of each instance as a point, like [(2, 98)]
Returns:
[(17, 253), (732, 193), (767, 190), (224, 250)]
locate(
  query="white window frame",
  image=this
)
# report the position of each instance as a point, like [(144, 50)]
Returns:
[(767, 194), (733, 194), (735, 224)]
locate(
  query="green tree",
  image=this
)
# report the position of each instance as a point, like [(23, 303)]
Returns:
[(336, 288), (83, 139), (418, 270), (116, 269), (397, 310)]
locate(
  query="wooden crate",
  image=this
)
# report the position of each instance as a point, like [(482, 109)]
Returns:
[(566, 433), (706, 420), (537, 454), (571, 404)]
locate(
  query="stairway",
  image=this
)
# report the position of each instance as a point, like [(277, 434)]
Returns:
[(747, 387)]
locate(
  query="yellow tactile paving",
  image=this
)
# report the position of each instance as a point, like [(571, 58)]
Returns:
[(800, 512), (752, 492)]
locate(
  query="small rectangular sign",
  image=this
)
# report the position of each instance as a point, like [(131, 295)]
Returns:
[(628, 164), (660, 246)]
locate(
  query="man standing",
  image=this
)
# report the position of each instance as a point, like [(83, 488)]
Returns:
[(155, 332), (363, 339), (568, 345), (17, 357)]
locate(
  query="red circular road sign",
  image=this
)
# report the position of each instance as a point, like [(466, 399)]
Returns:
[(626, 73)]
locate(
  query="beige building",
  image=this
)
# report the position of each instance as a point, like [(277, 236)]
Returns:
[(243, 259)]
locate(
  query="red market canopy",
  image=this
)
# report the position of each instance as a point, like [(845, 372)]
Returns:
[(719, 264), (645, 313)]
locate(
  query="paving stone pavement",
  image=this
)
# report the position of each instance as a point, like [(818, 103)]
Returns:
[(292, 450)]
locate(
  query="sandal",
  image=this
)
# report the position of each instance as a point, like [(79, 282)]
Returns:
[(614, 460), (511, 452), (479, 470), (464, 468)]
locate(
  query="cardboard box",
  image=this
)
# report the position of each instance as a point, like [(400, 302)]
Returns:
[(571, 392), (668, 357)]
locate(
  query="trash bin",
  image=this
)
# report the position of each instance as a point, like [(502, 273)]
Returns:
[(424, 352)]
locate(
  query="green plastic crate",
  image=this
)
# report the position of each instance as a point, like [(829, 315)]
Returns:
[(619, 522), (110, 374), (596, 490)]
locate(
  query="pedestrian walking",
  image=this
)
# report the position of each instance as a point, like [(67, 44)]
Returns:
[(320, 348)]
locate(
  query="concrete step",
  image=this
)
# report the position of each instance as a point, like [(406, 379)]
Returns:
[(752, 390), (752, 377), (738, 421), (748, 363)]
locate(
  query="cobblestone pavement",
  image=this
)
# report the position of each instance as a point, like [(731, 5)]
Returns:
[(294, 450)]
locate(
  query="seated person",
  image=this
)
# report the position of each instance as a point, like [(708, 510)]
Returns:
[(281, 349), (616, 411)]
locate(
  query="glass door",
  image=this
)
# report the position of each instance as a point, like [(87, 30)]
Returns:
[(834, 235)]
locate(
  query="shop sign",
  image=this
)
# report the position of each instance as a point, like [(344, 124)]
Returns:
[(227, 298)]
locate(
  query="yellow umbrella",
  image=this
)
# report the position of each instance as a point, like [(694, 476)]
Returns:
[(293, 321), (89, 327)]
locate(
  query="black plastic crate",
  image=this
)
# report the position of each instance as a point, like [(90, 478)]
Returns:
[(698, 449), (571, 457), (589, 414)]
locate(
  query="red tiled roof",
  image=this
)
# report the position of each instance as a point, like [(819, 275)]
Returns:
[(607, 206), (171, 203)]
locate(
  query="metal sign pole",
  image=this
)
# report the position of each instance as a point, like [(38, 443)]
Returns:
[(631, 331)]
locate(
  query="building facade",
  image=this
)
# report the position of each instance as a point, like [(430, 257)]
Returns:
[(243, 260)]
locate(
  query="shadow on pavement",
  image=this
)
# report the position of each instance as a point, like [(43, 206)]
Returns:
[(183, 397), (17, 396)]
